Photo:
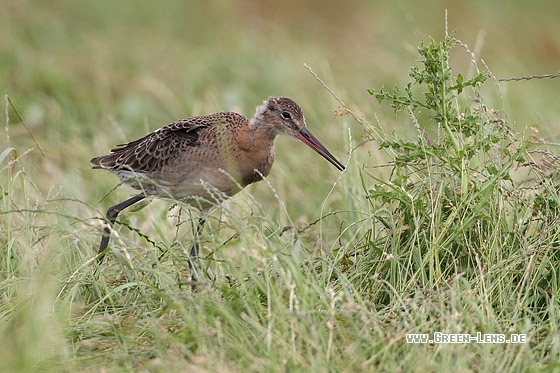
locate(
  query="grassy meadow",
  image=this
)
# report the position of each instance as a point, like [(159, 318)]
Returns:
[(445, 220)]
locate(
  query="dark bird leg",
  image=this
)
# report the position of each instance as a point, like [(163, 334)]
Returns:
[(112, 214), (193, 260)]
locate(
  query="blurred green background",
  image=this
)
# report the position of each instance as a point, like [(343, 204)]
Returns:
[(86, 75)]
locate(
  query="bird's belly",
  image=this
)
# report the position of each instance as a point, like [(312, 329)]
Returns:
[(212, 185), (192, 182)]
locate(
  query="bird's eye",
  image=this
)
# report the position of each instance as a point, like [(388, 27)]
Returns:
[(286, 115)]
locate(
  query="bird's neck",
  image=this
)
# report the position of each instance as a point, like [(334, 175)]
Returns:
[(256, 151), (261, 131)]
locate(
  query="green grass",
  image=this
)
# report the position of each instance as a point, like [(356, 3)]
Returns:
[(444, 221)]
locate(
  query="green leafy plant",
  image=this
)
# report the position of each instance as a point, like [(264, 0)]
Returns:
[(451, 207)]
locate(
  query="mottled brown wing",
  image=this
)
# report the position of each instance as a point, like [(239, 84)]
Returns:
[(159, 148)]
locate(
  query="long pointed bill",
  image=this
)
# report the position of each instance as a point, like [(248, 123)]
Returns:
[(306, 137)]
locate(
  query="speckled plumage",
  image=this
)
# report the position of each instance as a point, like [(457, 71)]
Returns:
[(202, 160), (189, 158), (186, 158)]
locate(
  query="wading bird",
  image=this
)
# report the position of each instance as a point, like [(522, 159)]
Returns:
[(205, 159)]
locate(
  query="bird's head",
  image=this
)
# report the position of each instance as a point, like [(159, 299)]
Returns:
[(283, 116)]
